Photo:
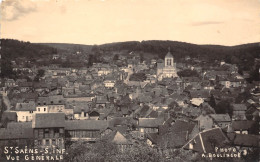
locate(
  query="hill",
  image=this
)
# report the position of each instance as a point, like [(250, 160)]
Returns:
[(68, 47), (12, 49), (242, 55)]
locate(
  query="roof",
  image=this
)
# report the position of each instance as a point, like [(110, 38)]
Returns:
[(51, 100), (200, 94), (207, 140), (153, 114), (117, 138), (11, 116), (120, 138), (173, 139), (182, 126), (17, 130), (48, 120), (245, 140), (30, 106), (221, 117), (168, 55), (86, 124), (153, 137), (239, 107), (242, 125), (150, 122)]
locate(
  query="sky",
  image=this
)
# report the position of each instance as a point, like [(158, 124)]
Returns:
[(223, 22)]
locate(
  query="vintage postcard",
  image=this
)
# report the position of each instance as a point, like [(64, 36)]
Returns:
[(130, 80)]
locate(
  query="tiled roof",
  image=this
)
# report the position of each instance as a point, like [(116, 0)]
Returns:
[(11, 116), (245, 140), (239, 107), (242, 125), (49, 120), (17, 130), (207, 140), (25, 106), (221, 117), (182, 126), (150, 123), (86, 124)]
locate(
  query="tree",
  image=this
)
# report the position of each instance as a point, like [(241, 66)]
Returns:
[(212, 101), (116, 57), (39, 74), (224, 107), (188, 73), (7, 69), (104, 150), (137, 77)]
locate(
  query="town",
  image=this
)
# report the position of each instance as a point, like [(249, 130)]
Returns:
[(130, 99)]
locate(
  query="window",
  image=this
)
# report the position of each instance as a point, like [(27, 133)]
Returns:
[(56, 130), (44, 109), (51, 102), (190, 146), (39, 142), (169, 62), (47, 142), (39, 109), (53, 142), (61, 130), (46, 133)]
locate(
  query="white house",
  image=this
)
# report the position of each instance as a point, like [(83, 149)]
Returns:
[(109, 83), (25, 111)]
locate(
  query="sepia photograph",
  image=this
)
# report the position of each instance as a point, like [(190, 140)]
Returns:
[(130, 80)]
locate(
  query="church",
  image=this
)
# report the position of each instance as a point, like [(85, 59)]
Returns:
[(166, 69)]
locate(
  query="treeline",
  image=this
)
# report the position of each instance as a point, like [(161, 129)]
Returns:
[(182, 49), (12, 49), (242, 55), (20, 51)]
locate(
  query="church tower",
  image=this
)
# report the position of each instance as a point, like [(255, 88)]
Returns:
[(168, 60)]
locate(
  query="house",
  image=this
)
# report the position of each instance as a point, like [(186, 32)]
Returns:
[(173, 135), (206, 141), (10, 83), (221, 120), (239, 111), (9, 116), (152, 139), (94, 115), (25, 111), (17, 133), (120, 140), (42, 105), (242, 127), (244, 140), (80, 110), (109, 83), (48, 130), (25, 86), (87, 130), (205, 122), (199, 96), (149, 125), (52, 104), (56, 104), (101, 101)]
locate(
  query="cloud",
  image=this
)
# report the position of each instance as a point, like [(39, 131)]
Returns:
[(12, 10), (206, 23)]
